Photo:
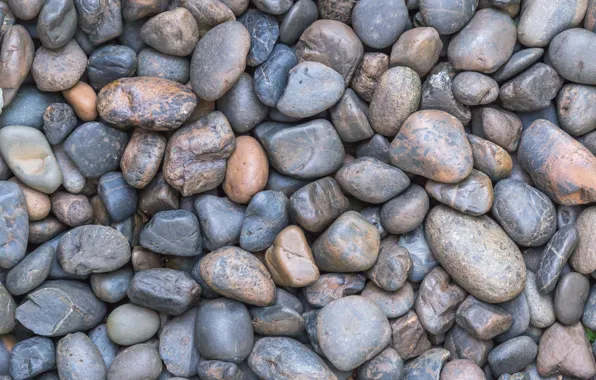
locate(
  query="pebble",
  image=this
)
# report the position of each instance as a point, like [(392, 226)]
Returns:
[(582, 259), (14, 232), (392, 267), (542, 313), (30, 272), (119, 198), (567, 53), (152, 63), (472, 196), (367, 15), (165, 290), (216, 369), (270, 80), (409, 338), (109, 63), (172, 32), (47, 310), (177, 347), (482, 320), (368, 73), (26, 10), (77, 357), (462, 345), (59, 120), (555, 256), (143, 259), (532, 90), (59, 69), (277, 320), (223, 330), (137, 9), (428, 365), (418, 49), (16, 57), (575, 115), (29, 156), (31, 357), (570, 297), (92, 249), (437, 93), (45, 229), (539, 21), (502, 127), (473, 89), (302, 14), (208, 14), (159, 196), (332, 286), (57, 23), (131, 324), (520, 312), (142, 157), (490, 158), (95, 148), (387, 364), (264, 31), (373, 215), (100, 29), (172, 232), (191, 170), (221, 221), (83, 100), (31, 99), (111, 286), (423, 260), (447, 17), (350, 118), (276, 7), (7, 313), (340, 10), (461, 369), (266, 216), (247, 170), (512, 356), (241, 104), (567, 215), (553, 170), (236, 6), (405, 212), (38, 203), (518, 62), (393, 304), (137, 362)]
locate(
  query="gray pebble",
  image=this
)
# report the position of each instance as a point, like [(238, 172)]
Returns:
[(112, 286), (217, 370), (555, 256), (266, 215), (117, 195), (406, 211), (513, 355), (220, 219), (138, 362), (264, 31), (59, 119), (447, 17), (385, 366), (14, 232), (542, 313), (519, 310), (570, 297), (473, 89), (378, 23), (109, 63), (271, 78), (107, 348), (152, 63), (437, 93), (31, 272), (576, 114), (241, 106), (72, 178), (173, 232), (376, 147), (276, 7), (130, 324), (283, 183), (77, 358), (531, 90), (31, 357), (350, 117), (299, 17), (57, 23), (423, 260), (7, 311), (568, 53), (28, 107), (518, 63), (177, 347)]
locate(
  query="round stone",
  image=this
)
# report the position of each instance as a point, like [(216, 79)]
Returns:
[(378, 24), (575, 115), (72, 209), (513, 355), (418, 49), (59, 69), (172, 32), (406, 211), (83, 100), (569, 50), (152, 63), (57, 23), (247, 170), (447, 17), (38, 203), (502, 127), (138, 362), (131, 324), (570, 298)]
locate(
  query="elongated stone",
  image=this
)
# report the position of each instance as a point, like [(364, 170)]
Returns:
[(31, 272), (555, 256), (77, 357), (14, 232), (177, 347), (271, 77)]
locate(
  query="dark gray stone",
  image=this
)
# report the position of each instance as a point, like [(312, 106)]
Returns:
[(299, 17), (447, 17), (14, 230), (350, 117), (271, 78), (266, 215), (177, 347), (376, 147), (241, 106), (173, 232), (95, 148), (223, 330), (310, 322), (32, 357), (92, 249), (59, 119), (437, 93), (117, 195), (218, 370), (513, 355), (7, 311), (131, 35), (166, 290), (138, 362), (5, 345), (542, 313), (555, 256), (107, 348), (57, 23), (220, 219), (405, 212), (519, 310), (531, 90), (5, 172), (112, 286), (28, 107), (77, 357), (423, 260), (378, 23), (462, 345), (31, 272), (152, 63), (518, 63), (109, 63), (60, 307), (264, 31), (570, 297), (385, 366), (283, 183), (428, 365), (101, 20)]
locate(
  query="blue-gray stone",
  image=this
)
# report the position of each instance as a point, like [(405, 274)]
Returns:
[(32, 357), (286, 184), (117, 195), (109, 63), (589, 316), (513, 355), (221, 221), (264, 31), (271, 77), (14, 224), (28, 106), (7, 311), (4, 358), (378, 23), (59, 119), (152, 63), (299, 17), (112, 286), (177, 347), (519, 310), (242, 106), (266, 215), (172, 232), (77, 357), (107, 348), (31, 272), (423, 260)]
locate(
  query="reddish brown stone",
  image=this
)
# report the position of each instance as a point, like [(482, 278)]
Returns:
[(367, 74), (247, 170), (408, 336), (142, 157), (490, 158), (418, 49), (565, 350)]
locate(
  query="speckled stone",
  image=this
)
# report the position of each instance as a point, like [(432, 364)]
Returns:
[(271, 77)]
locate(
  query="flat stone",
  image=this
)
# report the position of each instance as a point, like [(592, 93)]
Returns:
[(531, 90), (472, 196), (277, 320), (14, 232), (570, 297), (423, 260), (296, 20), (221, 221), (266, 216), (555, 256), (567, 52), (447, 17), (109, 63), (406, 211), (513, 355), (437, 93), (31, 357), (173, 232), (428, 365), (78, 357), (173, 32), (462, 345), (332, 286), (378, 24), (517, 63), (484, 321), (137, 362), (177, 347), (30, 272)]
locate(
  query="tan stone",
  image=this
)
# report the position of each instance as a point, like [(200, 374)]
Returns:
[(247, 170), (83, 100), (38, 203)]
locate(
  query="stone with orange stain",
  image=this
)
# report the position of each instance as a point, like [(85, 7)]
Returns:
[(247, 170), (151, 103), (433, 144), (83, 100), (333, 286), (559, 165), (490, 158), (290, 261), (16, 57), (38, 203)]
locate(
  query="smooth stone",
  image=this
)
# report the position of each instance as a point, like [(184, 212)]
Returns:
[(112, 286), (131, 324), (218, 370), (482, 320), (31, 357), (490, 158), (83, 100), (428, 365), (14, 231), (350, 244), (526, 214), (28, 98), (567, 215), (30, 272), (350, 118), (583, 259), (437, 93), (540, 21), (386, 365), (426, 129), (45, 229), (101, 21), (138, 362), (378, 24), (131, 35), (117, 195), (277, 320), (196, 154), (109, 63), (142, 157), (542, 313), (513, 355), (520, 312), (264, 31), (92, 249), (220, 220), (57, 23), (340, 10), (316, 148), (271, 77), (473, 89), (472, 196), (565, 350), (333, 43), (373, 215), (487, 264), (462, 345), (59, 119), (368, 73), (27, 9), (241, 106), (174, 32), (570, 297), (393, 304), (469, 50), (77, 357), (16, 57), (370, 331), (333, 286), (418, 49), (531, 90), (58, 69), (502, 127), (95, 148), (48, 310), (396, 97), (239, 275), (165, 290), (107, 348), (302, 14), (275, 7), (213, 74), (409, 338), (375, 147), (576, 117), (160, 196), (423, 260), (463, 369), (152, 63), (266, 216), (236, 6), (72, 210), (392, 267), (223, 330), (447, 17), (555, 256), (173, 232), (405, 212), (247, 170), (569, 51), (517, 63), (135, 9), (73, 180), (8, 322), (143, 259)]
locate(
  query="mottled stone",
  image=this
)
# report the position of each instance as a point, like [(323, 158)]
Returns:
[(59, 69), (220, 219), (59, 119), (531, 90), (437, 93), (264, 31), (393, 304), (31, 357), (14, 232), (8, 322), (332, 286), (392, 267), (29, 98), (490, 158), (483, 321), (218, 370), (423, 260), (447, 17), (418, 49), (472, 196), (462, 345), (386, 365), (299, 17), (142, 157), (172, 32), (540, 21), (576, 116), (555, 256), (517, 63), (173, 232), (462, 369), (101, 20), (177, 347), (513, 355), (110, 63), (406, 211), (409, 338), (271, 77), (542, 313), (368, 73), (152, 63), (473, 89), (565, 350), (428, 365), (290, 260), (77, 357)]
